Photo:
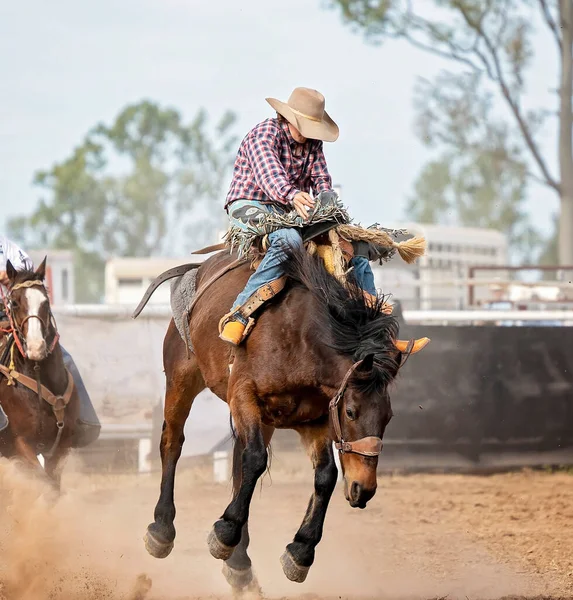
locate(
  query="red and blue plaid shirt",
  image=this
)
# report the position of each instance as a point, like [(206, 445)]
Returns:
[(272, 167)]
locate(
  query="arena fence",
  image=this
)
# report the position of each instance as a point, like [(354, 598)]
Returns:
[(494, 389)]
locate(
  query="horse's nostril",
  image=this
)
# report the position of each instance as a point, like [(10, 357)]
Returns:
[(355, 490)]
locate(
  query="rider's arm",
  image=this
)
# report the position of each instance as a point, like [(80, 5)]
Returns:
[(268, 170), (9, 251), (320, 179)]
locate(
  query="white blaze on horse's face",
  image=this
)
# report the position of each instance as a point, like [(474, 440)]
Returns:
[(36, 347)]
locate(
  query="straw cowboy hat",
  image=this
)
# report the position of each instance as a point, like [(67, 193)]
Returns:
[(305, 111)]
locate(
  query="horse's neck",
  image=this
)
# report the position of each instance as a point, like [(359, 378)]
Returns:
[(52, 371)]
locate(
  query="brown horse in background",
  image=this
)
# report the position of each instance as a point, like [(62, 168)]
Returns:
[(37, 392), (320, 361)]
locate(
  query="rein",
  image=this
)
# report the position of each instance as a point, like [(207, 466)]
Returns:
[(58, 403), (366, 446)]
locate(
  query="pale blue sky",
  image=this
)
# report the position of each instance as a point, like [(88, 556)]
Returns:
[(67, 65)]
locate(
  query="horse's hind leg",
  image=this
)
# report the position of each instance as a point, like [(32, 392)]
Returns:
[(238, 570), (184, 382)]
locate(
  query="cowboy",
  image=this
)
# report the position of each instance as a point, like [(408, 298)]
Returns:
[(278, 163), (89, 425)]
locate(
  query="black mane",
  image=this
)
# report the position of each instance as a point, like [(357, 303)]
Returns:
[(351, 327), (27, 275)]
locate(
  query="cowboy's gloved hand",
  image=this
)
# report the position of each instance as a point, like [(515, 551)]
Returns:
[(327, 198)]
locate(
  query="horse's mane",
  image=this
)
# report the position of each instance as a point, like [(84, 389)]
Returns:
[(348, 324), (27, 275)]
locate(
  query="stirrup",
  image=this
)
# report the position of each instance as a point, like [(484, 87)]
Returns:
[(257, 299)]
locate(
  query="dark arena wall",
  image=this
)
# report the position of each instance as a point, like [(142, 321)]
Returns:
[(484, 396)]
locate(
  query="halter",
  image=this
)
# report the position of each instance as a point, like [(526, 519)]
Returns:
[(17, 327), (366, 446)]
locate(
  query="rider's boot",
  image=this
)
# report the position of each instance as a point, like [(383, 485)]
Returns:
[(371, 301), (236, 325)]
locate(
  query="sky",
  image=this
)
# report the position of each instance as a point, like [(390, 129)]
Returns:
[(67, 65)]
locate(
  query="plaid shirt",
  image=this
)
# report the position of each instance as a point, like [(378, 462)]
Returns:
[(271, 167)]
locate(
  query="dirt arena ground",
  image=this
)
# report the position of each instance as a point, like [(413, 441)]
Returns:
[(421, 537)]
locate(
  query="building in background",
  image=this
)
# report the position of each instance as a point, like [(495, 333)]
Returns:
[(126, 279), (436, 280), (59, 274)]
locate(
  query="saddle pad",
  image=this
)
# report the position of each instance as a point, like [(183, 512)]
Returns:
[(182, 293)]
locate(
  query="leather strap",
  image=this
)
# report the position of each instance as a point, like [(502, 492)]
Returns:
[(209, 249), (406, 355), (58, 403), (204, 287), (333, 406), (367, 446), (264, 293)]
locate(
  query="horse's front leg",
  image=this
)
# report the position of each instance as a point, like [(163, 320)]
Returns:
[(226, 532), (54, 466), (299, 555)]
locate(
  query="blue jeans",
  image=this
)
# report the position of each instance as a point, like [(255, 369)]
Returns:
[(271, 265)]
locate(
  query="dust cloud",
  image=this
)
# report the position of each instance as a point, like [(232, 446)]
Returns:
[(420, 538), (50, 548)]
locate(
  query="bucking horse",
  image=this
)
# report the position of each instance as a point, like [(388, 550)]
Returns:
[(320, 361)]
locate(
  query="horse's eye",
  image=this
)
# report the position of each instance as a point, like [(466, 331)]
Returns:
[(14, 304), (350, 413)]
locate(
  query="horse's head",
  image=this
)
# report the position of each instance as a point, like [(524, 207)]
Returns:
[(366, 357), (28, 307), (360, 412)]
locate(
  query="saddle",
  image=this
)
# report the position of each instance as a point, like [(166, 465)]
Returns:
[(335, 241)]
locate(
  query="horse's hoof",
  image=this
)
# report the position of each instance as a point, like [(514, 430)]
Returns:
[(156, 548), (238, 579), (218, 549), (293, 571)]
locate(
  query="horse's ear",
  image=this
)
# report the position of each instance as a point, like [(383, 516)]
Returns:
[(41, 270), (10, 271), (367, 363)]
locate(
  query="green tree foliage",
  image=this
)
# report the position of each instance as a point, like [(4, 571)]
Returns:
[(490, 41), (480, 177), (148, 184)]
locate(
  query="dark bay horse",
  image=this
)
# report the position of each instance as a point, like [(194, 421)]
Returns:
[(37, 392), (320, 361)]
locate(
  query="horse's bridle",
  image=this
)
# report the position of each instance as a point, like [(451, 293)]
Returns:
[(17, 327), (366, 446)]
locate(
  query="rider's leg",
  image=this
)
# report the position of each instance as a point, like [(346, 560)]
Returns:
[(268, 271), (364, 275), (3, 417), (365, 280), (88, 426)]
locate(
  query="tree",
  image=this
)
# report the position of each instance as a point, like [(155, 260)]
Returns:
[(135, 188), (480, 178), (492, 38)]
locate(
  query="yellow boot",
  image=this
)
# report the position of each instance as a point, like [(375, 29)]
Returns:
[(233, 332), (371, 301)]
